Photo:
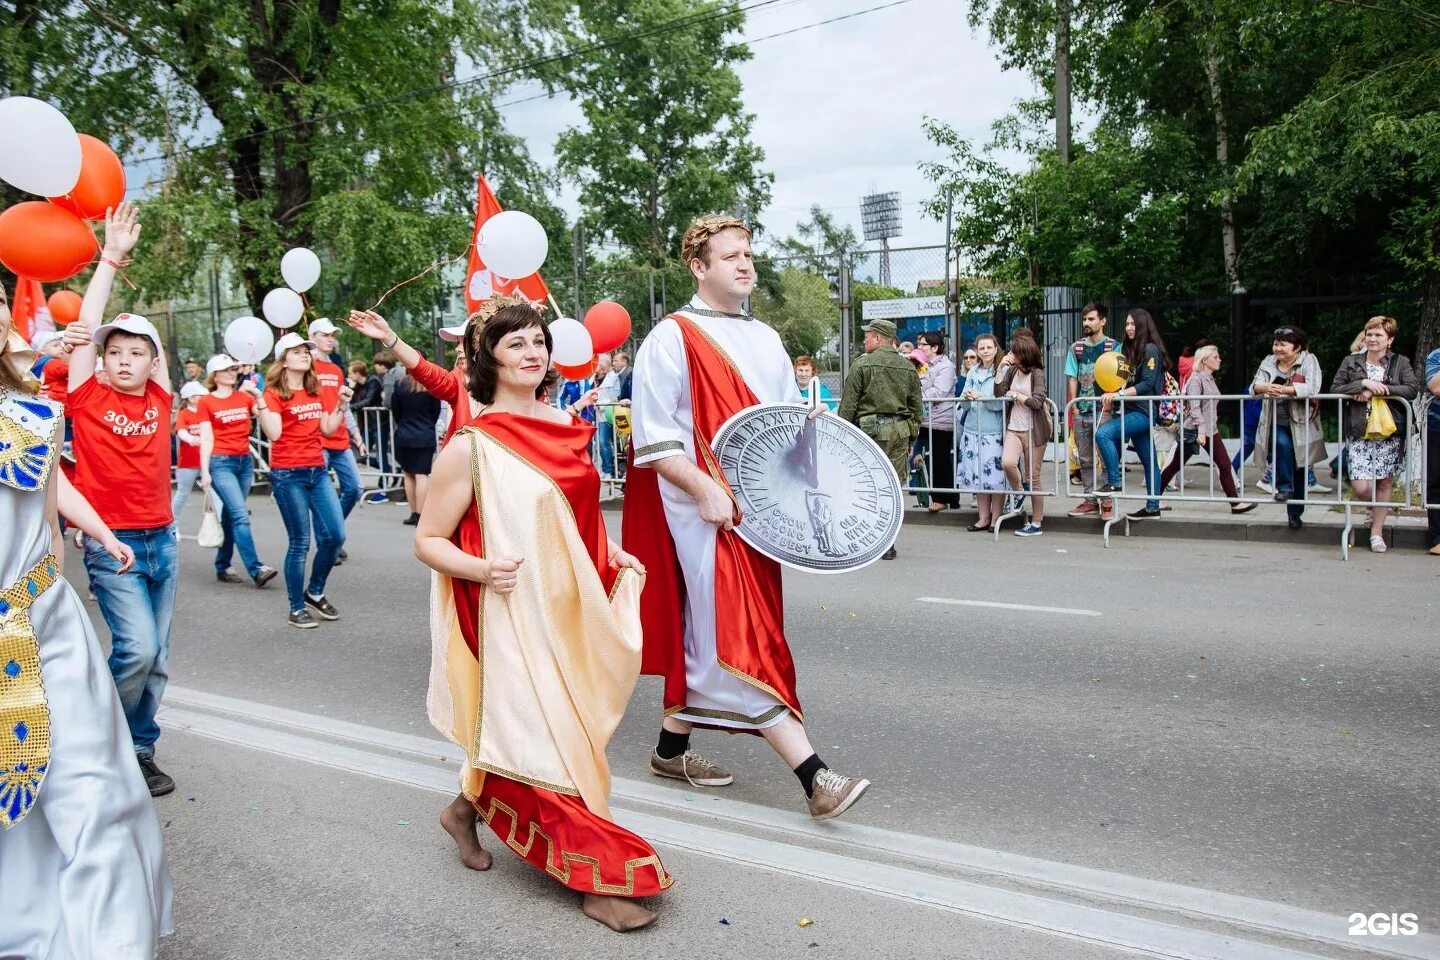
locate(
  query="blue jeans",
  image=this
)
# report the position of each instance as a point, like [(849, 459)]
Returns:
[(137, 607), (1285, 468), (230, 476), (305, 494), (348, 473), (1110, 438), (606, 432)]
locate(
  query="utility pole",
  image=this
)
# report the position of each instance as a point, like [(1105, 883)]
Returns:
[(1062, 80)]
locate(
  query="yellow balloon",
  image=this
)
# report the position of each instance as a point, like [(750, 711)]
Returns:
[(1111, 372)]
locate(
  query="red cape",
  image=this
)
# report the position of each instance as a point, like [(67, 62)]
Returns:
[(750, 615)]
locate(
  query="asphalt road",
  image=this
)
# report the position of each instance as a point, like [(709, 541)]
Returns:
[(1178, 748)]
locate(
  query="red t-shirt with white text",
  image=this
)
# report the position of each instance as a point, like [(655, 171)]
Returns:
[(299, 443), (122, 453), (331, 377), (187, 455), (229, 422)]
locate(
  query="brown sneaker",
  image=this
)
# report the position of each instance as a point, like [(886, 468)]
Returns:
[(833, 794), (1086, 509), (1107, 510), (692, 768)]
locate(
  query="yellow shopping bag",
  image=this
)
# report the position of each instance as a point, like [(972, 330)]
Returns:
[(1380, 423)]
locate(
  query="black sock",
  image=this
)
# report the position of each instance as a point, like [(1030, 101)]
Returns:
[(806, 772), (672, 744)]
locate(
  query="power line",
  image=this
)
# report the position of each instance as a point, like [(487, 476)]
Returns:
[(822, 23)]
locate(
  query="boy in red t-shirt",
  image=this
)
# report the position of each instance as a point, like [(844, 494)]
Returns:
[(122, 466)]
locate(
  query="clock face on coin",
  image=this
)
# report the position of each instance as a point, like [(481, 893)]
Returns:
[(815, 495)]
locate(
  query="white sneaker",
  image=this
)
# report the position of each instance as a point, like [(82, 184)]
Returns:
[(1318, 487), (1265, 485), (1377, 544)]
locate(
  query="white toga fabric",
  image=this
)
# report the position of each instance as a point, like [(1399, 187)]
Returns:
[(663, 426)]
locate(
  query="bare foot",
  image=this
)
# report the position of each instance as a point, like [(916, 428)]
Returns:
[(460, 821), (617, 913)]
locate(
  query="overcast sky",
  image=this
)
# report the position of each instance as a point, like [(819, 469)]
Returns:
[(838, 107)]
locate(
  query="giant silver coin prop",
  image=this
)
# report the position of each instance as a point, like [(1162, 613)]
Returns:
[(817, 495)]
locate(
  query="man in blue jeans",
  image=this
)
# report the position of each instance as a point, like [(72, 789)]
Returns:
[(122, 466)]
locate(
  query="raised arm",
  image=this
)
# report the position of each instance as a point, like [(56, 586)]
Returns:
[(122, 230)]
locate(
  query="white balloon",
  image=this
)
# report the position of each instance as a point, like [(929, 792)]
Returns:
[(300, 268), (283, 307), (573, 345), (249, 339), (512, 244), (42, 150)]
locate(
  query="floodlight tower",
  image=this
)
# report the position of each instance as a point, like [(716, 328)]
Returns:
[(880, 220)]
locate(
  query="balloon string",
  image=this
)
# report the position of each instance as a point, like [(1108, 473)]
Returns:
[(433, 266), (120, 270)]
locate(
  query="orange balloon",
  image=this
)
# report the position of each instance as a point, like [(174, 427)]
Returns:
[(579, 371), (609, 325), (101, 184), (43, 242), (64, 306)]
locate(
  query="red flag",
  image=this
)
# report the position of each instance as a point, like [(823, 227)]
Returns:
[(480, 283), (29, 300)]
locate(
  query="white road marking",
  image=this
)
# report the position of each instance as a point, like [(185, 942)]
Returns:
[(1073, 611), (662, 814)]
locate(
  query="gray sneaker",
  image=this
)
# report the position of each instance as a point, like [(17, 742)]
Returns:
[(692, 768), (832, 794)]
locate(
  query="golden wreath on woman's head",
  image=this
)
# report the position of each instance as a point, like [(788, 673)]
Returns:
[(476, 321)]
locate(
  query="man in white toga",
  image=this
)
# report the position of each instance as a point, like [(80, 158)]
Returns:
[(712, 608)]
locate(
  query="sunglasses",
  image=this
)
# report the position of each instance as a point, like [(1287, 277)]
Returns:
[(972, 356), (1285, 332)]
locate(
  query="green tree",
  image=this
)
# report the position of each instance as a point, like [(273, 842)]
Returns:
[(1281, 146), (666, 136), (335, 124)]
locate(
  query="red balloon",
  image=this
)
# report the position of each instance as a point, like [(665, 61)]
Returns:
[(64, 306), (101, 184), (579, 371), (609, 325), (41, 241)]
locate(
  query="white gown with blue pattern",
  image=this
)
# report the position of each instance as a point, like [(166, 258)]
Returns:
[(83, 874)]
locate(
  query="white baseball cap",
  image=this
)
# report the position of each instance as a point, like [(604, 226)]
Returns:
[(322, 325), (128, 323), (220, 362), (454, 334), (289, 342), (192, 389)]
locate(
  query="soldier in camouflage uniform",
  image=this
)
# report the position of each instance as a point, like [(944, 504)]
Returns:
[(882, 398)]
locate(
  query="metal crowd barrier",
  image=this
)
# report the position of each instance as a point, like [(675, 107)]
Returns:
[(1014, 502), (610, 448), (1302, 435), (1429, 483), (379, 471)]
